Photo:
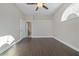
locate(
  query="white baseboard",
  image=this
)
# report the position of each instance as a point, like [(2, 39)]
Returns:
[(76, 49), (41, 36), (58, 39), (6, 48)]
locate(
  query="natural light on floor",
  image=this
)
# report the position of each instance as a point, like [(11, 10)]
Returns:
[(8, 39)]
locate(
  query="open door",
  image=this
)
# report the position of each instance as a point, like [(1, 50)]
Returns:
[(29, 30)]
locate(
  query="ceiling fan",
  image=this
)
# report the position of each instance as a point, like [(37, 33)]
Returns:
[(38, 5)]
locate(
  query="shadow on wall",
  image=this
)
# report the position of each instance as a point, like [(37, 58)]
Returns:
[(5, 42), (66, 27)]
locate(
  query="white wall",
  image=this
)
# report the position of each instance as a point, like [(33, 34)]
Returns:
[(9, 20), (22, 30), (68, 31), (41, 26), (24, 26)]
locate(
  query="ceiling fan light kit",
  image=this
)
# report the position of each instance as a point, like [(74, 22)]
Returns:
[(40, 5)]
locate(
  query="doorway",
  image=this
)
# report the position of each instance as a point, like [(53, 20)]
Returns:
[(29, 29)]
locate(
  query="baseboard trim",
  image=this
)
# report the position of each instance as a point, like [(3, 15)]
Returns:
[(74, 48), (41, 36), (10, 46), (58, 39)]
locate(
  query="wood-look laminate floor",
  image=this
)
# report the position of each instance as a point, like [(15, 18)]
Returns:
[(40, 47)]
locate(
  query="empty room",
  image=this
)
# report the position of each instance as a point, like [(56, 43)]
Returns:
[(39, 29)]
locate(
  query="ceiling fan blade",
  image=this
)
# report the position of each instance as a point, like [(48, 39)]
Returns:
[(45, 7), (36, 9), (31, 3)]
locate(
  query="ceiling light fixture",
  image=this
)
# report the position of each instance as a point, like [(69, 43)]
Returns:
[(39, 3)]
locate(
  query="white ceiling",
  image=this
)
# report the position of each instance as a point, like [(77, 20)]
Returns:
[(29, 10)]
